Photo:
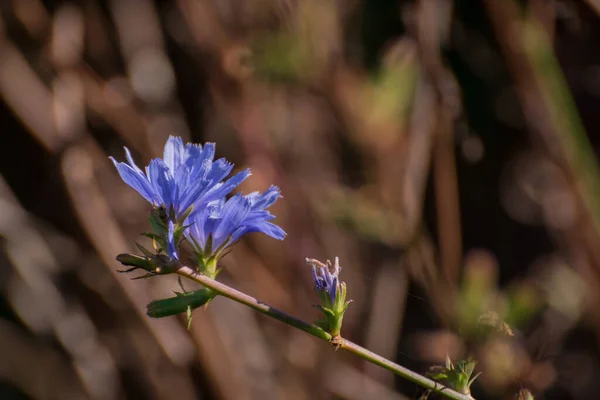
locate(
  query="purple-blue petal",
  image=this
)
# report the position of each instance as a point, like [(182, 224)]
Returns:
[(190, 195), (333, 290), (195, 232), (137, 181), (200, 173), (256, 217), (328, 277), (173, 154), (232, 216), (273, 231), (317, 279), (221, 168), (266, 228), (131, 162), (226, 187), (172, 248), (208, 152), (266, 199), (162, 181)]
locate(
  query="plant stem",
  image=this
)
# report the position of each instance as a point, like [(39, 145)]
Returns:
[(318, 332), (251, 302)]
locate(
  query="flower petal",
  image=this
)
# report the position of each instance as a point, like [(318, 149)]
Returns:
[(333, 290), (190, 195), (208, 153), (219, 171), (162, 181), (232, 216), (273, 231), (201, 172), (267, 228), (173, 153), (131, 162), (137, 181), (223, 189), (316, 279), (171, 242), (264, 200)]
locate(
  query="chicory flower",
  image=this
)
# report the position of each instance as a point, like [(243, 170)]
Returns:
[(185, 176), (332, 293), (188, 190), (221, 223)]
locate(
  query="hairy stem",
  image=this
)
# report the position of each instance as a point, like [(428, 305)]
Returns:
[(316, 331)]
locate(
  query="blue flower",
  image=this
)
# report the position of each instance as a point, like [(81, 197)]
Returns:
[(222, 222), (332, 293), (185, 176), (326, 282)]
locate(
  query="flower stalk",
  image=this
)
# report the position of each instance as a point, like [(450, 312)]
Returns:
[(332, 292), (318, 332)]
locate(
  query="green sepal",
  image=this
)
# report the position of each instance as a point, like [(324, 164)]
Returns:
[(153, 264), (457, 377), (334, 313), (180, 303), (186, 214), (347, 305), (332, 321), (151, 235), (221, 249), (158, 221), (137, 262), (209, 267), (198, 250), (327, 311), (146, 252), (437, 376), (473, 379)]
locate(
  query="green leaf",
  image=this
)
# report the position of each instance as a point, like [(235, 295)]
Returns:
[(182, 302), (136, 261)]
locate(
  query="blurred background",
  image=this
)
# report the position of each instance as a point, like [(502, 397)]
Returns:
[(444, 150)]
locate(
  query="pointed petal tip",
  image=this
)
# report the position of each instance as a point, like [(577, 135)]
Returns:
[(127, 152), (274, 189), (277, 232), (175, 138), (246, 172)]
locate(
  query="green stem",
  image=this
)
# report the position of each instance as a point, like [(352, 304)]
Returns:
[(316, 331), (251, 302)]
